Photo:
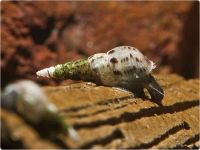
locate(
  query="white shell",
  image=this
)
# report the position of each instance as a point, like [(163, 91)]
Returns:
[(120, 65), (47, 72), (28, 99)]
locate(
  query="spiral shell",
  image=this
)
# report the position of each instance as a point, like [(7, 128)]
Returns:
[(124, 66), (27, 98)]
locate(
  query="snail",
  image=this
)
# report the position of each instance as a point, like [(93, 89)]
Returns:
[(28, 100), (124, 67)]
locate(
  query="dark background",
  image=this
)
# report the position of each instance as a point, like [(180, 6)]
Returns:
[(36, 35)]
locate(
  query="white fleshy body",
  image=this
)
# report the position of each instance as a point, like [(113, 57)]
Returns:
[(120, 66)]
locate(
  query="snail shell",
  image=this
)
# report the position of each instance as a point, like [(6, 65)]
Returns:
[(124, 66), (27, 98), (120, 66)]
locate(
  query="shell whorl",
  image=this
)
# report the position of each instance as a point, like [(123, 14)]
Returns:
[(75, 70), (121, 64)]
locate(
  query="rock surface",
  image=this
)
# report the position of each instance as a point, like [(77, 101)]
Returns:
[(108, 118)]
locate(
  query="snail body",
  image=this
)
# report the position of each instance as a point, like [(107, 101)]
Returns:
[(28, 100), (124, 66)]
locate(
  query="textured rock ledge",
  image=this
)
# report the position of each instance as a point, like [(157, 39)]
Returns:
[(105, 117)]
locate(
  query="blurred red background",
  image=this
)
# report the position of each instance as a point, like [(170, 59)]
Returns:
[(36, 35)]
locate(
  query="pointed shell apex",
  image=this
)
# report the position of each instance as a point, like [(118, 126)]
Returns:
[(47, 72)]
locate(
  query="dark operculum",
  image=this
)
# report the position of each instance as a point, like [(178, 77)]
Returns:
[(154, 89)]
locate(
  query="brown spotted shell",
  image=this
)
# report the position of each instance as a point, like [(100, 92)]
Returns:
[(120, 65)]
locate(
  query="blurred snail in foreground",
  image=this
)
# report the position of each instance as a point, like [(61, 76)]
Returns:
[(27, 98), (124, 67)]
